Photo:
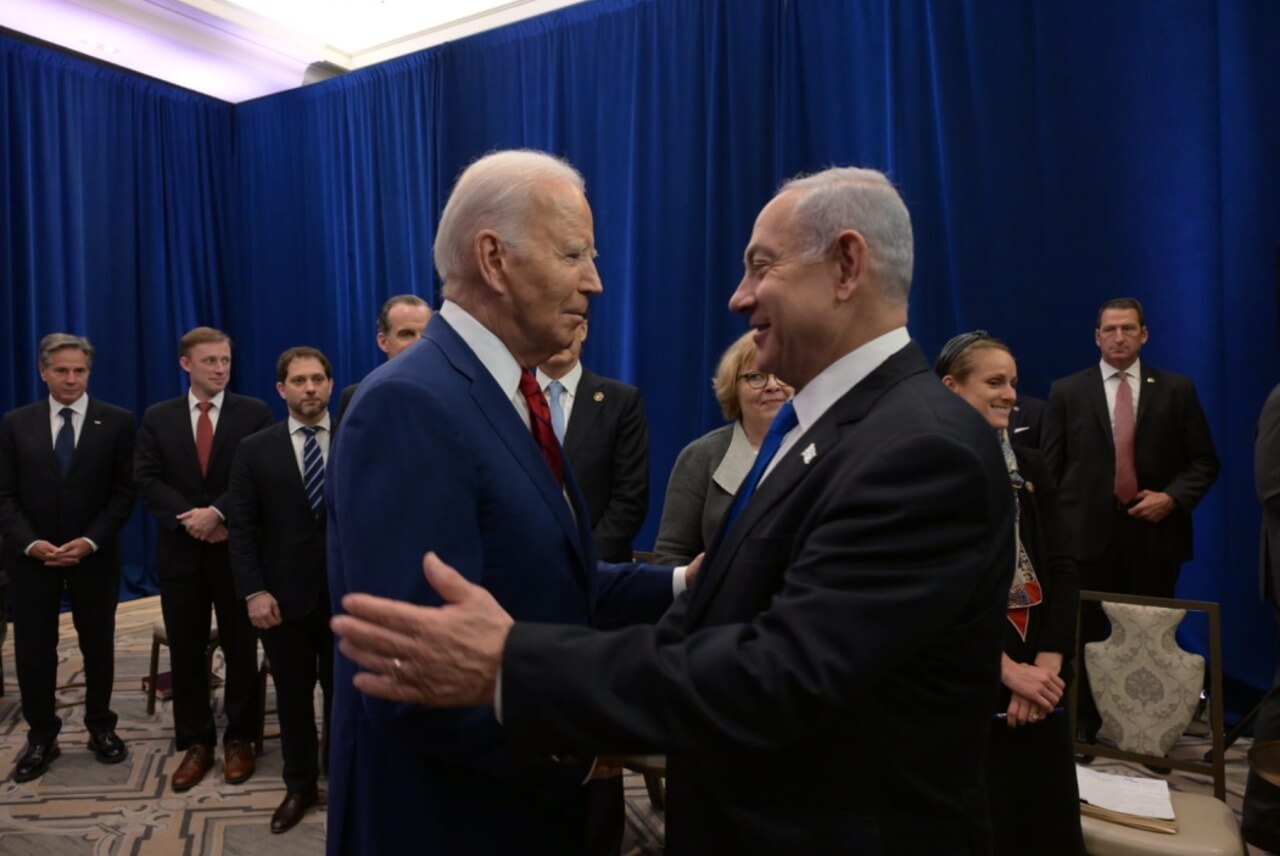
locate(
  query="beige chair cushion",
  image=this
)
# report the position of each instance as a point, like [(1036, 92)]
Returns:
[(1206, 827)]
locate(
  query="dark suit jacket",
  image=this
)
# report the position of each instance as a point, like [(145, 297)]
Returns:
[(1025, 421), (277, 544), (828, 685), (168, 471), (607, 444), (1266, 477), (1173, 453), (344, 401), (93, 501), (433, 456)]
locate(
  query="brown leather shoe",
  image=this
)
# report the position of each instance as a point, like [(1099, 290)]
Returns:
[(238, 761), (194, 765), (292, 809)]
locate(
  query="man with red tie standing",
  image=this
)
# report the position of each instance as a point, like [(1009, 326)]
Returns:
[(182, 465), (1130, 447)]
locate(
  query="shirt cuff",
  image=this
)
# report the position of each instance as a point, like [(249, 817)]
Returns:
[(255, 594), (219, 513), (89, 541), (27, 552), (678, 583)]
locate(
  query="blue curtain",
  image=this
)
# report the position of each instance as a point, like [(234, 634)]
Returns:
[(1053, 155)]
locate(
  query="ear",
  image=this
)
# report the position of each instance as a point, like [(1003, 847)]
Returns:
[(382, 342), (950, 383), (185, 362), (851, 258), (1142, 336), (491, 259), (280, 389)]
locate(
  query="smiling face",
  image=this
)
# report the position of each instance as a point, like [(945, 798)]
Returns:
[(989, 385), (759, 403), (67, 374)]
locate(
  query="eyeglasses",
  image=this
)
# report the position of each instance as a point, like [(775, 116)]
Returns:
[(758, 380)]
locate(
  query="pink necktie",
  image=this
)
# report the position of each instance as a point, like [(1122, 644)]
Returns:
[(1126, 474)]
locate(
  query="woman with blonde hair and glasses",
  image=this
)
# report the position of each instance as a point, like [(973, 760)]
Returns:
[(710, 469), (1031, 778)]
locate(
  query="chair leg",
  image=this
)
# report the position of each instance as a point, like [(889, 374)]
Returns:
[(657, 796), (155, 671)]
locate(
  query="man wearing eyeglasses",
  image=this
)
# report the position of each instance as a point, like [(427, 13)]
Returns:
[(1131, 449)]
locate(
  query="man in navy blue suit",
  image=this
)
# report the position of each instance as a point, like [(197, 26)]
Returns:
[(449, 448)]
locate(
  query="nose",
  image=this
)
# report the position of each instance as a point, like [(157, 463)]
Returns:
[(591, 282), (743, 296)]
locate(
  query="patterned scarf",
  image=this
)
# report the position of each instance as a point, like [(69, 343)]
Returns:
[(1025, 591)]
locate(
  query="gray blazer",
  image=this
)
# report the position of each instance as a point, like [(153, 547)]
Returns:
[(705, 478)]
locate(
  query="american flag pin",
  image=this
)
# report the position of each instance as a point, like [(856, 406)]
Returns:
[(809, 453)]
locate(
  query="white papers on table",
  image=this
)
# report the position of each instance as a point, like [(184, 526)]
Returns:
[(1141, 797)]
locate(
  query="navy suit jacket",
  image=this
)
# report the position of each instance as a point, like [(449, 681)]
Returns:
[(827, 685), (433, 456)]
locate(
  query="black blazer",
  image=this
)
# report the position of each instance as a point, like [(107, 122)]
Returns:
[(827, 684), (1173, 453), (277, 543), (344, 400), (1025, 422), (168, 472), (1266, 477), (607, 444), (94, 500)]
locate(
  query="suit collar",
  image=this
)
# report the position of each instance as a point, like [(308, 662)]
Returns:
[(802, 459), (80, 405), (486, 348), (588, 401)]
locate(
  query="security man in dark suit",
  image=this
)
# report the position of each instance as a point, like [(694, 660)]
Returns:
[(277, 525), (182, 465), (66, 489), (600, 422), (1130, 447), (400, 323)]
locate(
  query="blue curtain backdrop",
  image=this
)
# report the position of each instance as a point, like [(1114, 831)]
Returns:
[(1053, 155)]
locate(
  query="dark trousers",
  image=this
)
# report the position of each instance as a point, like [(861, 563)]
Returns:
[(301, 651), (606, 812), (1261, 820), (186, 602), (1135, 561), (35, 594), (1031, 783)]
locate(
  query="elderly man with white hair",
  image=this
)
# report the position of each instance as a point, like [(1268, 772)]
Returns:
[(827, 685), (449, 448)]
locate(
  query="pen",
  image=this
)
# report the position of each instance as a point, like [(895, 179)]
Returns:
[(1003, 715)]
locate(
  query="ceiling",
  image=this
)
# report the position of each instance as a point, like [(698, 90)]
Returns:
[(249, 48)]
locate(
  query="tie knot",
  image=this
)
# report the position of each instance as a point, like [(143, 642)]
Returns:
[(784, 420), (204, 406), (529, 384), (555, 388), (66, 413), (310, 431)]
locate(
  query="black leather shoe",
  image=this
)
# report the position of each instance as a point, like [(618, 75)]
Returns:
[(35, 760), (108, 748), (292, 809)]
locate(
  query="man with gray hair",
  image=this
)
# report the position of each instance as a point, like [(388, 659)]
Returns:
[(449, 448), (401, 321), (66, 490), (829, 682)]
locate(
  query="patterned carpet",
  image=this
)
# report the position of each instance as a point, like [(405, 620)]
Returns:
[(82, 807)]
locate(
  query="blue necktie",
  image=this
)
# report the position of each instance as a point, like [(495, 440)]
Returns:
[(312, 469), (554, 390), (783, 421), (65, 444)]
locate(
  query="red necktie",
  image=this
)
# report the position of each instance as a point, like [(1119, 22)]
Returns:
[(204, 436), (540, 423), (1126, 473)]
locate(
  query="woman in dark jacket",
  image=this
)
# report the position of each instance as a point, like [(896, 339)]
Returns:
[(1030, 766)]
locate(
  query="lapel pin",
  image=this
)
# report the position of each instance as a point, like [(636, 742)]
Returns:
[(599, 396), (1031, 486), (1151, 380), (97, 422), (809, 454)]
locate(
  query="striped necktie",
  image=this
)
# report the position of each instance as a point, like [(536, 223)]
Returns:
[(312, 469)]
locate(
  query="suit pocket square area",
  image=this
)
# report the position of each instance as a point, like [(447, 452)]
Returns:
[(1019, 430)]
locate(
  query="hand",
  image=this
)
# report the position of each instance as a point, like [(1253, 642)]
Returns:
[(1050, 660), (1034, 683), (691, 570), (264, 612), (219, 534), (1152, 506), (69, 554), (1023, 711), (42, 551), (607, 767), (443, 656), (200, 522)]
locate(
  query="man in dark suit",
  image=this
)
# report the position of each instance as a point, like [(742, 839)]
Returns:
[(826, 685), (277, 525), (449, 447), (1130, 447), (600, 423), (400, 323), (1132, 460), (182, 465), (1261, 820), (66, 489)]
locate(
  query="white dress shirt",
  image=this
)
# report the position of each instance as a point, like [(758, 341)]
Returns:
[(192, 406), (1111, 382), (299, 440)]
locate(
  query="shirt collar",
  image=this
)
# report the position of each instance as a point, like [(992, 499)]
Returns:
[(295, 426), (1108, 370), (569, 381), (487, 347), (192, 401), (844, 374), (80, 405)]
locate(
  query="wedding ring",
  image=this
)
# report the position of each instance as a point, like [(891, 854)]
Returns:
[(395, 662), (1035, 717)]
